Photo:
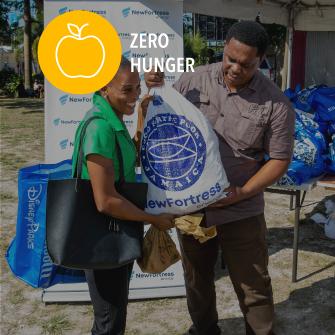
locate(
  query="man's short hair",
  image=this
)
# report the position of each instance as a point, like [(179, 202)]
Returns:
[(250, 33)]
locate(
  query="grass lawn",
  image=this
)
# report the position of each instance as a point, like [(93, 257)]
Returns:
[(306, 307)]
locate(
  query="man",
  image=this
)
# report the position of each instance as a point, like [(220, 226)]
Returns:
[(253, 120)]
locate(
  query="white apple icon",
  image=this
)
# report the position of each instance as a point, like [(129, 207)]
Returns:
[(76, 34)]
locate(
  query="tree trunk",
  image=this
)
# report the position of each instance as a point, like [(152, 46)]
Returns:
[(27, 46)]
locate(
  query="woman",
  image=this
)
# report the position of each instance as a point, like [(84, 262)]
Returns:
[(109, 288)]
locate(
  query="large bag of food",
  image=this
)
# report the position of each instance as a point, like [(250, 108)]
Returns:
[(180, 156)]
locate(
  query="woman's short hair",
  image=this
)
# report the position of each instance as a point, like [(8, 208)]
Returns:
[(125, 63)]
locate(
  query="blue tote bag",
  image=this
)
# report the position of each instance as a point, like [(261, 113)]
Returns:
[(27, 255)]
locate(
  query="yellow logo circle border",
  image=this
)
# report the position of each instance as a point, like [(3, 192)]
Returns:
[(71, 57)]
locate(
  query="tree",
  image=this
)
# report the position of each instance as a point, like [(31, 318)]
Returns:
[(5, 29), (39, 6), (27, 43), (187, 23), (32, 29)]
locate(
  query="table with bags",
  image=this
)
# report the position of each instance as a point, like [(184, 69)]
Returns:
[(313, 155)]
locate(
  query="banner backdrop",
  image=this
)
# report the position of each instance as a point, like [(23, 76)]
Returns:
[(64, 111)]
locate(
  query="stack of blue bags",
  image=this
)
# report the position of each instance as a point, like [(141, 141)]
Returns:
[(314, 134)]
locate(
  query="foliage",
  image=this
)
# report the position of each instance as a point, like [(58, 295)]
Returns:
[(196, 47), (33, 27), (187, 23), (5, 29), (12, 87), (277, 35), (10, 82), (5, 76)]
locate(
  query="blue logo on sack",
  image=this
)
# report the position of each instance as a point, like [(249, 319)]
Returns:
[(157, 100), (125, 11), (173, 151), (63, 99)]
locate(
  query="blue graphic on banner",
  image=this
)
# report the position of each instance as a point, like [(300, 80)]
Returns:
[(63, 144), (127, 54), (162, 14), (63, 10), (63, 99), (56, 122), (173, 151), (125, 11)]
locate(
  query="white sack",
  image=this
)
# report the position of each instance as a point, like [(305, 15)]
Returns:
[(180, 156)]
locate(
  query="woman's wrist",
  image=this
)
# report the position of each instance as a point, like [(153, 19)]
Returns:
[(152, 219)]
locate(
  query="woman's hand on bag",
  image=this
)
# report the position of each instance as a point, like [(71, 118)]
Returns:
[(154, 79), (164, 221)]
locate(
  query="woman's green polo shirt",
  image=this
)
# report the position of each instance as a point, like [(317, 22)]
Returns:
[(100, 137)]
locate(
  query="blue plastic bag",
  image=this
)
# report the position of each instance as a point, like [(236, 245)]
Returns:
[(27, 255), (301, 99), (318, 100), (306, 124), (308, 156), (323, 102), (297, 174), (331, 128), (330, 158)]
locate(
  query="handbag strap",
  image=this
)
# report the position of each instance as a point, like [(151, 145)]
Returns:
[(120, 159), (80, 157)]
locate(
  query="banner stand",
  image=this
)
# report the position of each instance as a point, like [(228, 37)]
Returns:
[(79, 293), (63, 112)]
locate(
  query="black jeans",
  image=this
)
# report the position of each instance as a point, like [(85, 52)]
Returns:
[(109, 295)]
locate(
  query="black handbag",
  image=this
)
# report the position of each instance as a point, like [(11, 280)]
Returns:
[(80, 237)]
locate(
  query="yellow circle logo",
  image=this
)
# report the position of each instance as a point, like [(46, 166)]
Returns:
[(79, 52)]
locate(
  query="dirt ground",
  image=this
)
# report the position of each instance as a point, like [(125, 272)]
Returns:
[(306, 307)]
